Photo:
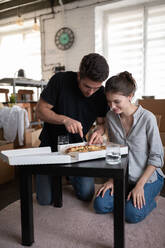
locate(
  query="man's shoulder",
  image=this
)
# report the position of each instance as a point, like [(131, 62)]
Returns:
[(64, 75)]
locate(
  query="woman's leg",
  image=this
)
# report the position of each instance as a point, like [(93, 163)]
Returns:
[(104, 205), (84, 187), (151, 190)]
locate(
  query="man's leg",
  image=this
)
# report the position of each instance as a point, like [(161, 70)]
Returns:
[(44, 189), (84, 187)]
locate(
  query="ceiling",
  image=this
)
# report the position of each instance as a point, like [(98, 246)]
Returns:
[(9, 8)]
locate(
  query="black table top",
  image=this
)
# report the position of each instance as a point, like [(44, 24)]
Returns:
[(92, 166)]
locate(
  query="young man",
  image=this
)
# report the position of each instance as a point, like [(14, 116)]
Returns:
[(70, 104)]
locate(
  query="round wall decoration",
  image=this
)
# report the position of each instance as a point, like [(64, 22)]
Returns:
[(64, 38)]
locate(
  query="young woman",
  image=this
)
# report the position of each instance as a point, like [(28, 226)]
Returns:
[(137, 128)]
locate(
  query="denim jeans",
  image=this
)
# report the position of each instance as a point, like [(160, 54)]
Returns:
[(83, 186), (132, 214)]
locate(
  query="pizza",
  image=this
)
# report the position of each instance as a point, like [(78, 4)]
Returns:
[(85, 148)]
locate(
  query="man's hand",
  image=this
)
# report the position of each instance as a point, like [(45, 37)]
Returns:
[(73, 126)]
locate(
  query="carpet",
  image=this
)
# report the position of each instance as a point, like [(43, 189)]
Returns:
[(75, 225)]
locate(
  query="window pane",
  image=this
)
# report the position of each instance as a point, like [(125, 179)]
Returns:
[(155, 60), (20, 49), (125, 44)]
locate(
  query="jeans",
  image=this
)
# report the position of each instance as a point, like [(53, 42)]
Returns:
[(83, 186), (132, 214)]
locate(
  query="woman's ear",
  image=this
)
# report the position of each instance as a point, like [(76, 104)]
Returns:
[(130, 97)]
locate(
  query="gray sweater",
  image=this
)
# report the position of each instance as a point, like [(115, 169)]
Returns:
[(143, 141)]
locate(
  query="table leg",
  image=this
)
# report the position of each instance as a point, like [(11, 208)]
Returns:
[(119, 212), (26, 208), (57, 191)]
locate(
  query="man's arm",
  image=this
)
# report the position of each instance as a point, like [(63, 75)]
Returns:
[(97, 135), (44, 113)]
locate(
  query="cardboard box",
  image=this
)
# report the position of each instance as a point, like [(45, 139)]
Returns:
[(7, 172), (32, 137), (162, 136), (157, 107)]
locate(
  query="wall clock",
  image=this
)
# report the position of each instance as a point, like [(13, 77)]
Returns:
[(64, 38)]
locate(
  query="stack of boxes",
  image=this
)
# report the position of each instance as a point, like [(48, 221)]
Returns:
[(157, 107), (7, 172)]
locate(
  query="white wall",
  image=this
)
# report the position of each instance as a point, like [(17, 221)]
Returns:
[(80, 16)]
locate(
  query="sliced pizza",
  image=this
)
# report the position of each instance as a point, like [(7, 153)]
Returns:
[(86, 148)]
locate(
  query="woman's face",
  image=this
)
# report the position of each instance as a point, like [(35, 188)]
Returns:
[(117, 102)]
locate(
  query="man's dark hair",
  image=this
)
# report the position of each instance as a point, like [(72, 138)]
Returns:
[(95, 67)]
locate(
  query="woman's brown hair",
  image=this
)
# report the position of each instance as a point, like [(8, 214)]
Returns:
[(122, 83)]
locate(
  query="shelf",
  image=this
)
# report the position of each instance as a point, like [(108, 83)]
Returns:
[(22, 82)]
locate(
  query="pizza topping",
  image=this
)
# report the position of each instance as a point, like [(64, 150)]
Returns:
[(86, 148)]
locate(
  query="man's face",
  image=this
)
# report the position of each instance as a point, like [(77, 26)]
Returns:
[(88, 87)]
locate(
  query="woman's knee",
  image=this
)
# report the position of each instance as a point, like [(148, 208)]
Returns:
[(133, 214), (103, 205)]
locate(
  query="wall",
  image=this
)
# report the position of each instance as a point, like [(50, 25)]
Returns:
[(80, 17)]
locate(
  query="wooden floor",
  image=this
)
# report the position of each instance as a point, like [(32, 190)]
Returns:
[(9, 192)]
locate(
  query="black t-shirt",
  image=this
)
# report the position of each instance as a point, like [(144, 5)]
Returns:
[(64, 94)]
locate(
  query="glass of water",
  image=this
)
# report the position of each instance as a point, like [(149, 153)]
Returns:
[(63, 139), (113, 155)]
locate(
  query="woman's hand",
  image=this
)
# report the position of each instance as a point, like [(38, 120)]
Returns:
[(137, 195), (95, 138), (105, 187)]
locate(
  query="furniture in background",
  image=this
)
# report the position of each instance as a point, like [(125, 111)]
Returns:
[(25, 95), (93, 168), (6, 92), (7, 172), (157, 107), (24, 98), (31, 110), (25, 82)]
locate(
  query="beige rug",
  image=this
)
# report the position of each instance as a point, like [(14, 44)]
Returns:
[(77, 226)]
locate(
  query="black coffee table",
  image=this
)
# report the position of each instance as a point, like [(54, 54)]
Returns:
[(93, 168)]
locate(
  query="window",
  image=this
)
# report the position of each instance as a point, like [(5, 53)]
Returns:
[(134, 40), (20, 48)]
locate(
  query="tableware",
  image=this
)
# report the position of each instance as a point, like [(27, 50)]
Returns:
[(113, 154)]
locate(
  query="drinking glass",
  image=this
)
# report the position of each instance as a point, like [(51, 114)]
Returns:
[(113, 155), (63, 139)]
